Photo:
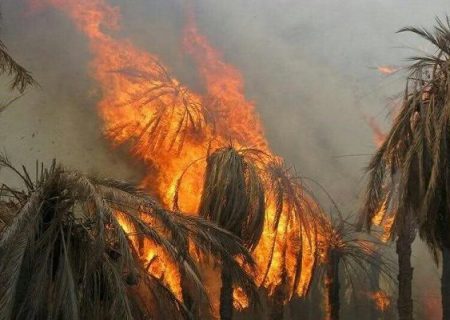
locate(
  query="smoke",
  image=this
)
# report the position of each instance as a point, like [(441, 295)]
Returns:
[(57, 119), (309, 66)]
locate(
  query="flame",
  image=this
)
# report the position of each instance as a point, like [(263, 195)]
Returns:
[(170, 127), (384, 219), (240, 299), (387, 70), (378, 134), (382, 300), (234, 115), (236, 118)]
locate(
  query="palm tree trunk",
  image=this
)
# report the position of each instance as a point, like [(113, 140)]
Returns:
[(405, 275), (332, 287), (445, 284), (226, 295)]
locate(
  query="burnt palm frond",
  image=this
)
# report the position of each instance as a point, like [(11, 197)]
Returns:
[(175, 111), (73, 250), (289, 210), (409, 174), (355, 249), (292, 222), (233, 194), (21, 78), (345, 251)]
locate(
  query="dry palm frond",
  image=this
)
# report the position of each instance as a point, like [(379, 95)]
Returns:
[(409, 175), (298, 208), (355, 250), (347, 252), (21, 77), (66, 253), (175, 111), (235, 179), (233, 194)]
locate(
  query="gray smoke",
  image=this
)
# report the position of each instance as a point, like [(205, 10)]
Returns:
[(308, 65)]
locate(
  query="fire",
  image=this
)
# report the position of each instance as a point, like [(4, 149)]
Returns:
[(381, 299), (240, 299), (236, 118), (378, 134), (384, 219), (171, 129), (234, 115), (387, 70)]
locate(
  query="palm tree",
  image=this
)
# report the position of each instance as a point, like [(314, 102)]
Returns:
[(67, 254), (295, 231), (345, 251), (233, 197), (409, 174), (247, 191)]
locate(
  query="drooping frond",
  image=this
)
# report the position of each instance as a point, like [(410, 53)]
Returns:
[(73, 250), (233, 194), (350, 253), (170, 111), (236, 178), (409, 175), (291, 212), (21, 78)]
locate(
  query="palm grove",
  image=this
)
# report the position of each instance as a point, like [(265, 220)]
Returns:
[(71, 244)]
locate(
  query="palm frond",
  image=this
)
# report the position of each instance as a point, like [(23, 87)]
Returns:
[(233, 194), (409, 174), (21, 77), (175, 112), (73, 250)]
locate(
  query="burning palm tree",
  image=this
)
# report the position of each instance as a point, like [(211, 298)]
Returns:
[(72, 249), (233, 197), (409, 174), (345, 251), (293, 223), (248, 193)]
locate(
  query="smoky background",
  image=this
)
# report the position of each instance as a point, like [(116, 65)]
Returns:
[(310, 67)]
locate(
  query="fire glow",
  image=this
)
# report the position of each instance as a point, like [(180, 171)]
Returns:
[(172, 128), (381, 299), (387, 70)]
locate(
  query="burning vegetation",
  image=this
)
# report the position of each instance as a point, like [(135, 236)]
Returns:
[(219, 226)]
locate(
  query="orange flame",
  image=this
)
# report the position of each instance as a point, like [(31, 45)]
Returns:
[(170, 127), (382, 300), (378, 134), (387, 70)]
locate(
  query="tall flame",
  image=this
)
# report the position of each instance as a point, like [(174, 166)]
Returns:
[(170, 127)]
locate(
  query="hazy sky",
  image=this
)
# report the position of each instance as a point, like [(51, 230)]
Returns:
[(308, 65)]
